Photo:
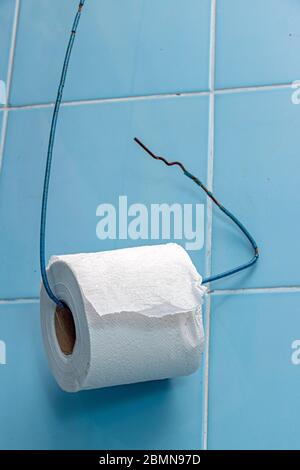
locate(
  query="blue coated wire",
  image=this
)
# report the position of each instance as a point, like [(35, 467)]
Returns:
[(239, 225), (49, 157), (221, 207), (48, 171)]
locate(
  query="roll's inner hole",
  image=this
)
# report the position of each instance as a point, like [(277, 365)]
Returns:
[(65, 329)]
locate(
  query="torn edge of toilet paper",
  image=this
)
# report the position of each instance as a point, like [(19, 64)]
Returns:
[(153, 280)]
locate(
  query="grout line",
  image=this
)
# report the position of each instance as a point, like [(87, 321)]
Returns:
[(206, 375), (159, 96), (246, 291), (9, 79), (26, 300), (221, 91), (211, 137), (3, 136), (255, 290), (108, 100), (208, 258), (12, 50), (210, 170), (212, 47), (28, 106)]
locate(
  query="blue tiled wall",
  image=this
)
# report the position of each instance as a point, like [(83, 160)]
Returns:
[(207, 82)]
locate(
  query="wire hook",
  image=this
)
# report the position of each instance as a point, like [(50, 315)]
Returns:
[(220, 206), (49, 157)]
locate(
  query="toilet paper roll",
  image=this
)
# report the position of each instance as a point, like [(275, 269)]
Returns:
[(131, 315)]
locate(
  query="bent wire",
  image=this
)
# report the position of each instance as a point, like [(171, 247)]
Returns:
[(221, 207), (48, 171), (49, 156)]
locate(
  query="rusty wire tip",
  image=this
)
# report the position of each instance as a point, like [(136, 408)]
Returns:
[(138, 141), (156, 157)]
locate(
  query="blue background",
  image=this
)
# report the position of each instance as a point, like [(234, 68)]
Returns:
[(202, 81)]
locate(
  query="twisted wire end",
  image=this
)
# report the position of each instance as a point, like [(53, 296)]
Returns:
[(156, 157), (229, 214)]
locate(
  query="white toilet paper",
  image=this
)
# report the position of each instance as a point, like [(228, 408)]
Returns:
[(137, 316)]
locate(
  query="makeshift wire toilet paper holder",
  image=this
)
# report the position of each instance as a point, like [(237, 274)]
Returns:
[(197, 181)]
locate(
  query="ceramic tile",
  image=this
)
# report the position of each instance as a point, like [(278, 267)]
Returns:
[(256, 171), (256, 42), (121, 49), (254, 372)]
